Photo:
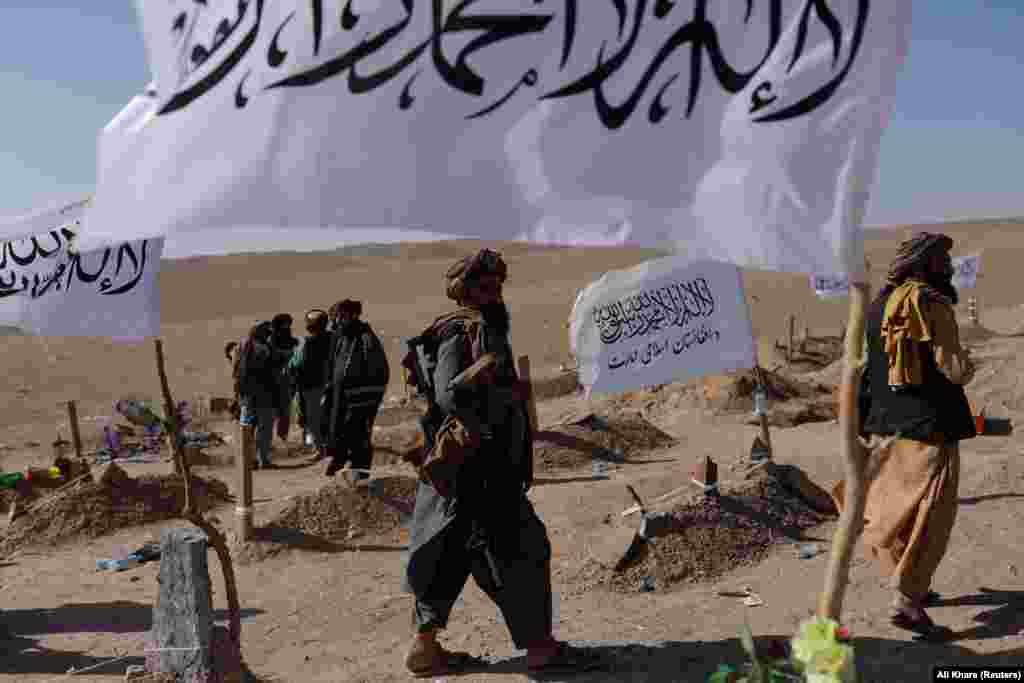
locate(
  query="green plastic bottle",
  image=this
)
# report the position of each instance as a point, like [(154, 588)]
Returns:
[(8, 480)]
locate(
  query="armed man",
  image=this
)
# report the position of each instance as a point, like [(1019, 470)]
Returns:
[(472, 515)]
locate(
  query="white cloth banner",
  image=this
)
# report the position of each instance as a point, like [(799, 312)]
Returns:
[(38, 222), (965, 269), (48, 290), (740, 132), (665, 320), (830, 286)]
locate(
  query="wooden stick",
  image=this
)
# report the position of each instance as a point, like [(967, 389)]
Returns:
[(245, 455), (766, 436), (531, 400), (193, 514), (76, 435), (792, 335), (855, 461)]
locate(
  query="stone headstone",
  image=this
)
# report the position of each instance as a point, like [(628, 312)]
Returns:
[(183, 614)]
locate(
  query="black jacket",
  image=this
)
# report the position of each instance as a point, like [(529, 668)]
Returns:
[(937, 406)]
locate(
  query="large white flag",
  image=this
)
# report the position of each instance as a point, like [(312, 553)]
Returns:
[(49, 289), (665, 320), (746, 131)]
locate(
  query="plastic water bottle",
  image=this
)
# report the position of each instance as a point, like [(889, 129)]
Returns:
[(118, 565)]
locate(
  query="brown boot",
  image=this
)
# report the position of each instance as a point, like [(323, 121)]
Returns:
[(427, 658)]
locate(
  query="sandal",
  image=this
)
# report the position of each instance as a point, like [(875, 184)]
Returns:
[(932, 598), (568, 660), (924, 626), (446, 663)]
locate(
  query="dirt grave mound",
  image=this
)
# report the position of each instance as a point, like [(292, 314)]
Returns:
[(105, 505), (793, 401), (709, 537), (342, 512), (616, 439)]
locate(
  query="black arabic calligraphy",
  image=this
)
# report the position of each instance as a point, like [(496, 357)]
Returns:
[(674, 305), (208, 60), (653, 350), (70, 268)]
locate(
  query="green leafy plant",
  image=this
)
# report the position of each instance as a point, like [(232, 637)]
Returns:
[(819, 653)]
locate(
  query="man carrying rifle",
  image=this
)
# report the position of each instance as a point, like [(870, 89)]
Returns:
[(472, 515)]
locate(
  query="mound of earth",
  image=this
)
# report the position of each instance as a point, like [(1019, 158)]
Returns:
[(105, 505), (812, 353), (343, 512), (611, 439), (709, 537), (392, 442), (793, 401)]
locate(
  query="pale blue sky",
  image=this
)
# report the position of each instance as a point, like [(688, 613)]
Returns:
[(953, 150)]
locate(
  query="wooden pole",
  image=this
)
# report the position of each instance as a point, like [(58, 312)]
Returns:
[(766, 436), (792, 335), (76, 435), (194, 514), (531, 400), (244, 457), (855, 461)]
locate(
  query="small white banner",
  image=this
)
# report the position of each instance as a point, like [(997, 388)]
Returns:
[(966, 269), (50, 290), (665, 320), (965, 276), (830, 286)]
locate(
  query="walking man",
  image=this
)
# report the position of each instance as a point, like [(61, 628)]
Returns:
[(913, 390), (481, 521)]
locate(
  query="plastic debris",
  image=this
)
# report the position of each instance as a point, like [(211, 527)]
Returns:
[(808, 550)]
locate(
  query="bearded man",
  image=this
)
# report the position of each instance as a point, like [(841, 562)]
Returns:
[(912, 392), (482, 523)]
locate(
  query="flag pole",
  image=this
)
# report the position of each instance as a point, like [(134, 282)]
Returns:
[(855, 460)]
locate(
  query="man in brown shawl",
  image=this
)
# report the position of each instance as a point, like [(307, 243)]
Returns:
[(482, 523), (912, 391)]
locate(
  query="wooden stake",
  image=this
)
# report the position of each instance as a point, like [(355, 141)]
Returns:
[(194, 515), (76, 435), (244, 457), (531, 400), (855, 461), (792, 335), (766, 436)]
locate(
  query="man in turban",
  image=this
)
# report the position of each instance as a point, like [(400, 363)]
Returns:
[(359, 374), (482, 522), (912, 393)]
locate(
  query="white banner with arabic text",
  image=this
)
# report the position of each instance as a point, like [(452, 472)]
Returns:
[(50, 290), (744, 132), (663, 321)]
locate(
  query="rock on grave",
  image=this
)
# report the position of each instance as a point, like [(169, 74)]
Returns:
[(183, 614)]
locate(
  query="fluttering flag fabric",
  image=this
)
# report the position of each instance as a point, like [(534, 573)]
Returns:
[(966, 270), (965, 276), (665, 320), (43, 220), (49, 288), (744, 132)]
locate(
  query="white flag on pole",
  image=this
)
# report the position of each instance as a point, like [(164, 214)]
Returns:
[(665, 320), (747, 132), (49, 289)]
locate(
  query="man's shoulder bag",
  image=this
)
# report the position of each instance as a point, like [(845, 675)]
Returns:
[(452, 446)]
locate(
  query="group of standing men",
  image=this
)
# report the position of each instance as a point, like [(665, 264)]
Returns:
[(337, 374)]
